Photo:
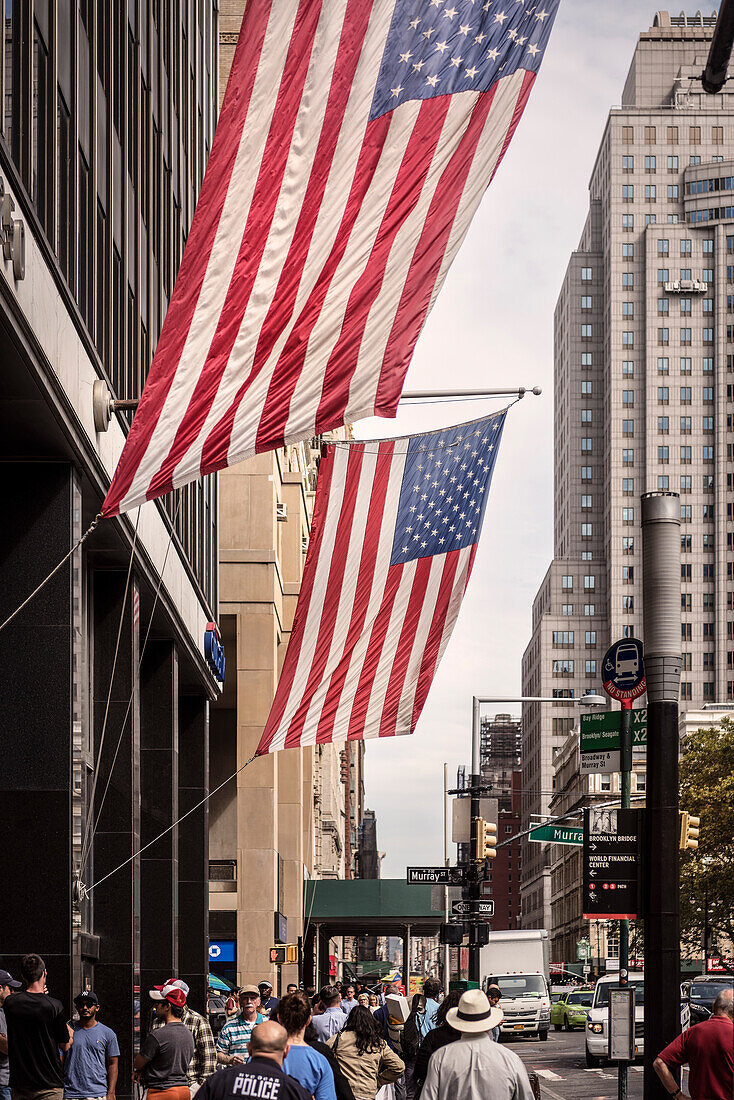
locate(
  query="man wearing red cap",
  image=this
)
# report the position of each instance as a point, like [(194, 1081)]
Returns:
[(204, 1061), (165, 1055)]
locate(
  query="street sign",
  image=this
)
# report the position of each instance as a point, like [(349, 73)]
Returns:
[(612, 851), (473, 908), (599, 740), (436, 876), (558, 834), (623, 670), (583, 950)]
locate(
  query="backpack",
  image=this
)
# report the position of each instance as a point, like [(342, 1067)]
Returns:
[(411, 1037)]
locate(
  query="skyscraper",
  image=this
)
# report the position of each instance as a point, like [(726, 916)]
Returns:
[(644, 401), (500, 755)]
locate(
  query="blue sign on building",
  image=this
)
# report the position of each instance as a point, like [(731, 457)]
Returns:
[(222, 951), (214, 650)]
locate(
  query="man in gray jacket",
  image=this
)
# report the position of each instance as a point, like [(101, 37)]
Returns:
[(475, 1067)]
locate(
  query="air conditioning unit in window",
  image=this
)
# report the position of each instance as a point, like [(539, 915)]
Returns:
[(281, 512)]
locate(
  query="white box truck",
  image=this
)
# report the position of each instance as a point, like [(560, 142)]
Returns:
[(518, 961)]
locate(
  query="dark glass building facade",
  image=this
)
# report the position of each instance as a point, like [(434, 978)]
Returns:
[(107, 118)]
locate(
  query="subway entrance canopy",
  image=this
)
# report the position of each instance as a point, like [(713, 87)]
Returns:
[(377, 907)]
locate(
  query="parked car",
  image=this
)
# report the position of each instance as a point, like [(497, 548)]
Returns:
[(597, 1020), (703, 991), (571, 1009)]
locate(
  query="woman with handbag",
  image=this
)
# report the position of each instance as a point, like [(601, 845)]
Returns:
[(365, 1058)]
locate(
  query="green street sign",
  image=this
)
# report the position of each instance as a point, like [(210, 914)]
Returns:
[(583, 950), (558, 834), (601, 732)]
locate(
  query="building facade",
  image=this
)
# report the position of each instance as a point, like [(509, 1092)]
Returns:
[(500, 756), (644, 400), (107, 119)]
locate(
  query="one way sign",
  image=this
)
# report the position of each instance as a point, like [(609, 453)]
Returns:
[(473, 909)]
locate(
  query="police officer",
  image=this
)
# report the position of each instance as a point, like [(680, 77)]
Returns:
[(262, 1077)]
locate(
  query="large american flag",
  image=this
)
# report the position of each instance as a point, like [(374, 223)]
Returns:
[(355, 142), (393, 540)]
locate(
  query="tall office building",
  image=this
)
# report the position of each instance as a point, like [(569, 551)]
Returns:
[(500, 756), (108, 113), (644, 401)]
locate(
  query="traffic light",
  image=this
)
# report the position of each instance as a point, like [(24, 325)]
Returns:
[(452, 934), (284, 953), (485, 836), (689, 830)]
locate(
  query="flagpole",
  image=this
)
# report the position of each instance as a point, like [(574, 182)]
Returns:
[(420, 395)]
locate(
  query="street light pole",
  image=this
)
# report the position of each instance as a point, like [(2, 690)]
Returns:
[(713, 77), (661, 906)]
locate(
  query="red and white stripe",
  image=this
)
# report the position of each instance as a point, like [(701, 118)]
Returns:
[(367, 636), (319, 243)]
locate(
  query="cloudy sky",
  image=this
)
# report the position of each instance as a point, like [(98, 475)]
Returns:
[(493, 326)]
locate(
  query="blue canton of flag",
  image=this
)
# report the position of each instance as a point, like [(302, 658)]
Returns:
[(436, 47), (445, 488)]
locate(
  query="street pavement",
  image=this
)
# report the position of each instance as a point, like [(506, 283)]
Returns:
[(561, 1067)]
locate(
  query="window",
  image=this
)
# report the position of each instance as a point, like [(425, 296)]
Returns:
[(586, 301), (586, 445), (628, 516), (586, 531), (586, 473), (685, 273), (650, 192), (563, 638), (685, 365), (649, 164), (708, 245), (589, 583), (585, 274), (708, 487), (628, 279), (628, 339), (673, 136), (672, 164), (663, 364), (686, 601), (685, 483), (589, 610), (685, 395), (708, 605), (586, 500), (694, 135), (628, 252), (586, 555), (708, 630), (707, 365), (586, 332), (686, 573), (628, 544), (585, 358), (663, 425), (586, 416), (708, 305), (686, 513), (567, 584), (628, 631), (672, 192), (685, 544), (707, 335), (694, 160), (567, 609), (663, 337), (663, 395), (628, 223), (686, 455), (649, 135), (707, 393), (628, 164), (628, 192), (686, 689), (586, 387), (685, 337), (628, 367), (663, 274), (628, 458), (717, 135), (628, 309), (590, 637), (628, 485), (628, 605), (707, 423), (707, 454), (628, 397), (685, 246), (663, 247), (708, 571), (663, 483), (663, 305), (628, 574), (590, 668), (685, 306), (628, 427), (563, 668), (628, 135), (685, 425), (664, 455)]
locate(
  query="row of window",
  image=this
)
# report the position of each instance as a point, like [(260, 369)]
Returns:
[(628, 163), (686, 337), (710, 214), (686, 246), (707, 396), (567, 583), (589, 609), (685, 363), (651, 192), (686, 306), (703, 187), (707, 275), (628, 222), (672, 135), (686, 601), (686, 571), (686, 690)]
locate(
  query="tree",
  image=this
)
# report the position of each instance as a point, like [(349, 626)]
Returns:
[(707, 874)]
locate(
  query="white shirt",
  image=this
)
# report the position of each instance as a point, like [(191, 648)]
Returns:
[(475, 1068)]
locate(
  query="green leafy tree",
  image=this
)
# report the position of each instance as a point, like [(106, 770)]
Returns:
[(707, 874)]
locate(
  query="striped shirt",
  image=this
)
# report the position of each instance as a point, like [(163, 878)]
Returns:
[(235, 1035)]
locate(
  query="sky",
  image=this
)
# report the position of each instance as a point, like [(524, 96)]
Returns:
[(492, 326)]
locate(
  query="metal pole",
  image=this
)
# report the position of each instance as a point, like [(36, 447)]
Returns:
[(475, 812), (661, 609), (446, 948), (625, 746), (714, 75), (418, 395)]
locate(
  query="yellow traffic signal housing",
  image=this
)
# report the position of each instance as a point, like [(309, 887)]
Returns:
[(485, 833), (284, 953), (689, 830)]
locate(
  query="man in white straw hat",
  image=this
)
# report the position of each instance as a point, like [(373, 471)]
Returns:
[(475, 1067)]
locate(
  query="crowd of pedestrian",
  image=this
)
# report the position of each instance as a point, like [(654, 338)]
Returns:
[(340, 1043)]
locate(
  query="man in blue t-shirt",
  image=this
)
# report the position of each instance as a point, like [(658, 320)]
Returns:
[(90, 1067)]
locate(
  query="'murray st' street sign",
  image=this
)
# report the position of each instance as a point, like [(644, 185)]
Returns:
[(558, 834), (436, 876)]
